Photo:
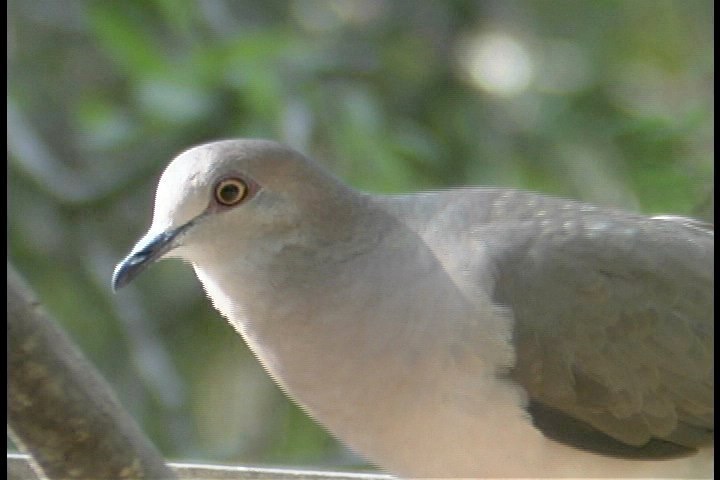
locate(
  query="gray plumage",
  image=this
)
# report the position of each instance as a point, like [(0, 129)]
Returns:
[(469, 332)]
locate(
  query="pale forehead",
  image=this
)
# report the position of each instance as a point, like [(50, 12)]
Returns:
[(181, 191), (199, 164), (205, 163), (183, 186)]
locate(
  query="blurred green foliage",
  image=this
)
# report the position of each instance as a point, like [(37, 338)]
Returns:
[(610, 102)]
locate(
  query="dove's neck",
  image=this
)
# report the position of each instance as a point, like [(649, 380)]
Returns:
[(302, 301)]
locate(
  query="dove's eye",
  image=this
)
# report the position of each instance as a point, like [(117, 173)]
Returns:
[(231, 191)]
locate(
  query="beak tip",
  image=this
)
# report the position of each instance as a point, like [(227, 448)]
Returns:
[(119, 277)]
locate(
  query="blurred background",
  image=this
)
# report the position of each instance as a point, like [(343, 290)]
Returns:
[(609, 102)]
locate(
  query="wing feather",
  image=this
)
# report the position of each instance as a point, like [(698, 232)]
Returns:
[(614, 325)]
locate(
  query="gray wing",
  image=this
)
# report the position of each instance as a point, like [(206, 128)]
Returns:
[(613, 327)]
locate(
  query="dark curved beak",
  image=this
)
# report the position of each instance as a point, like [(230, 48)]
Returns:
[(151, 248)]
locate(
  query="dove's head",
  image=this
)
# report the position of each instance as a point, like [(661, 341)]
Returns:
[(228, 193)]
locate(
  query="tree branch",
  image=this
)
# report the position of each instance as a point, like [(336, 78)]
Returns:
[(60, 410)]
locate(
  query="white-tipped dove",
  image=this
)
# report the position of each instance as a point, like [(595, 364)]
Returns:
[(475, 332)]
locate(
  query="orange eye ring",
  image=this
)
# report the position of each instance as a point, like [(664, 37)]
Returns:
[(231, 191)]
